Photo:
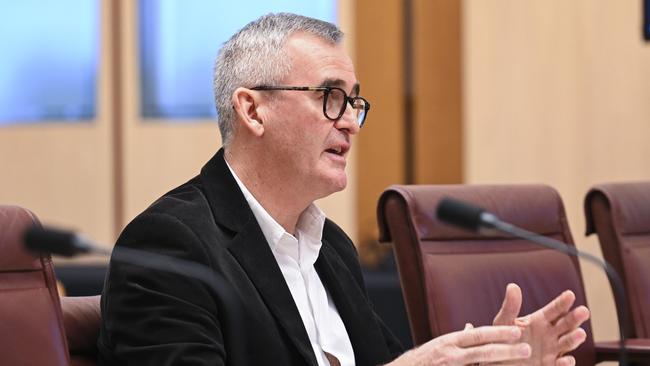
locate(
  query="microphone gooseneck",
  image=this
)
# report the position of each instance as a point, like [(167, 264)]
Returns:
[(476, 219)]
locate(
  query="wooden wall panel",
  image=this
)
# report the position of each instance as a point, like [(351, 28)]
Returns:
[(380, 144), (409, 63), (437, 92)]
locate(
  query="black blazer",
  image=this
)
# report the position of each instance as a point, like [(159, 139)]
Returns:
[(158, 318)]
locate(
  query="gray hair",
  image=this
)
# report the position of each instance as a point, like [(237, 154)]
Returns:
[(255, 55)]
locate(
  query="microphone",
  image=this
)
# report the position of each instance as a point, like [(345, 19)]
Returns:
[(476, 219), (464, 215), (60, 242), (67, 243)]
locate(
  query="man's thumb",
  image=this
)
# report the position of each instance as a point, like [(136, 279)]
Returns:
[(510, 307)]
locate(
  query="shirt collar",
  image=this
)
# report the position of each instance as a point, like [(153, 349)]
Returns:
[(309, 228)]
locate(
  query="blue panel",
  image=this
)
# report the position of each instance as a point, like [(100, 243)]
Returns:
[(48, 65), (179, 41)]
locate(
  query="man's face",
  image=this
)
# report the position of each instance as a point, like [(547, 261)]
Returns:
[(311, 150)]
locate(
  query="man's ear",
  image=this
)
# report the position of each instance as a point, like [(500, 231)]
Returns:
[(245, 102)]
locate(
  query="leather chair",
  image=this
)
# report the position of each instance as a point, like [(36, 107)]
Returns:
[(620, 214), (450, 277), (33, 326)]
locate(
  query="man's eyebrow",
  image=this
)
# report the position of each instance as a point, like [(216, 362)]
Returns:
[(340, 83), (333, 82)]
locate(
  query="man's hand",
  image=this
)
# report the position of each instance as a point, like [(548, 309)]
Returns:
[(544, 337), (551, 331), (470, 346)]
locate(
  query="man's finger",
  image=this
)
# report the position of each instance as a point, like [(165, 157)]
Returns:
[(559, 306), (510, 307), (565, 361), (572, 320), (495, 353), (571, 340), (484, 335)]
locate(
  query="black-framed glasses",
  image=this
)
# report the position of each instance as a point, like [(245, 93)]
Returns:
[(335, 101)]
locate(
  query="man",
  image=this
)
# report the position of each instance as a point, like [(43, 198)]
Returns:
[(288, 102)]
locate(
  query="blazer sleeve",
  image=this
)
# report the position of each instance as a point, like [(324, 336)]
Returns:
[(153, 317)]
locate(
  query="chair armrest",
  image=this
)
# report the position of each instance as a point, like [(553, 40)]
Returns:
[(638, 349), (81, 320)]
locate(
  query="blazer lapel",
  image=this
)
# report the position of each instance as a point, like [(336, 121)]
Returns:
[(251, 250), (365, 335), (254, 255)]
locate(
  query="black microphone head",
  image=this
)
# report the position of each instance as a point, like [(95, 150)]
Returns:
[(460, 214), (50, 240)]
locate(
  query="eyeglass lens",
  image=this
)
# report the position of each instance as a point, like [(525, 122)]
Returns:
[(336, 102)]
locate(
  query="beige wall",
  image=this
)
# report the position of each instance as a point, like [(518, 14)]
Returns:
[(558, 92)]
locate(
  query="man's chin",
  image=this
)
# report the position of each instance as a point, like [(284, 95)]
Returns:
[(336, 183)]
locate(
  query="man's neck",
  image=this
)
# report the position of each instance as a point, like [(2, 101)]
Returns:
[(275, 193)]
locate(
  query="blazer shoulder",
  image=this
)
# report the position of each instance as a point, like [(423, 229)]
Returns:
[(182, 215), (181, 200)]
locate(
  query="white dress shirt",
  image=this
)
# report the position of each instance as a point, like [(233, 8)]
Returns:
[(296, 256)]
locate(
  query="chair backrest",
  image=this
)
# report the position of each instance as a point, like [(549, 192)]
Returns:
[(620, 214), (450, 277), (31, 324)]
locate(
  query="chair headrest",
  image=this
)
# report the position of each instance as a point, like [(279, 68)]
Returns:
[(537, 208), (629, 204), (14, 221)]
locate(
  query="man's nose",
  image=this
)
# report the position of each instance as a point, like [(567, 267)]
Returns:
[(348, 121)]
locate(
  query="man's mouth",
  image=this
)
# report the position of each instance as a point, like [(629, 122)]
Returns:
[(335, 150)]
